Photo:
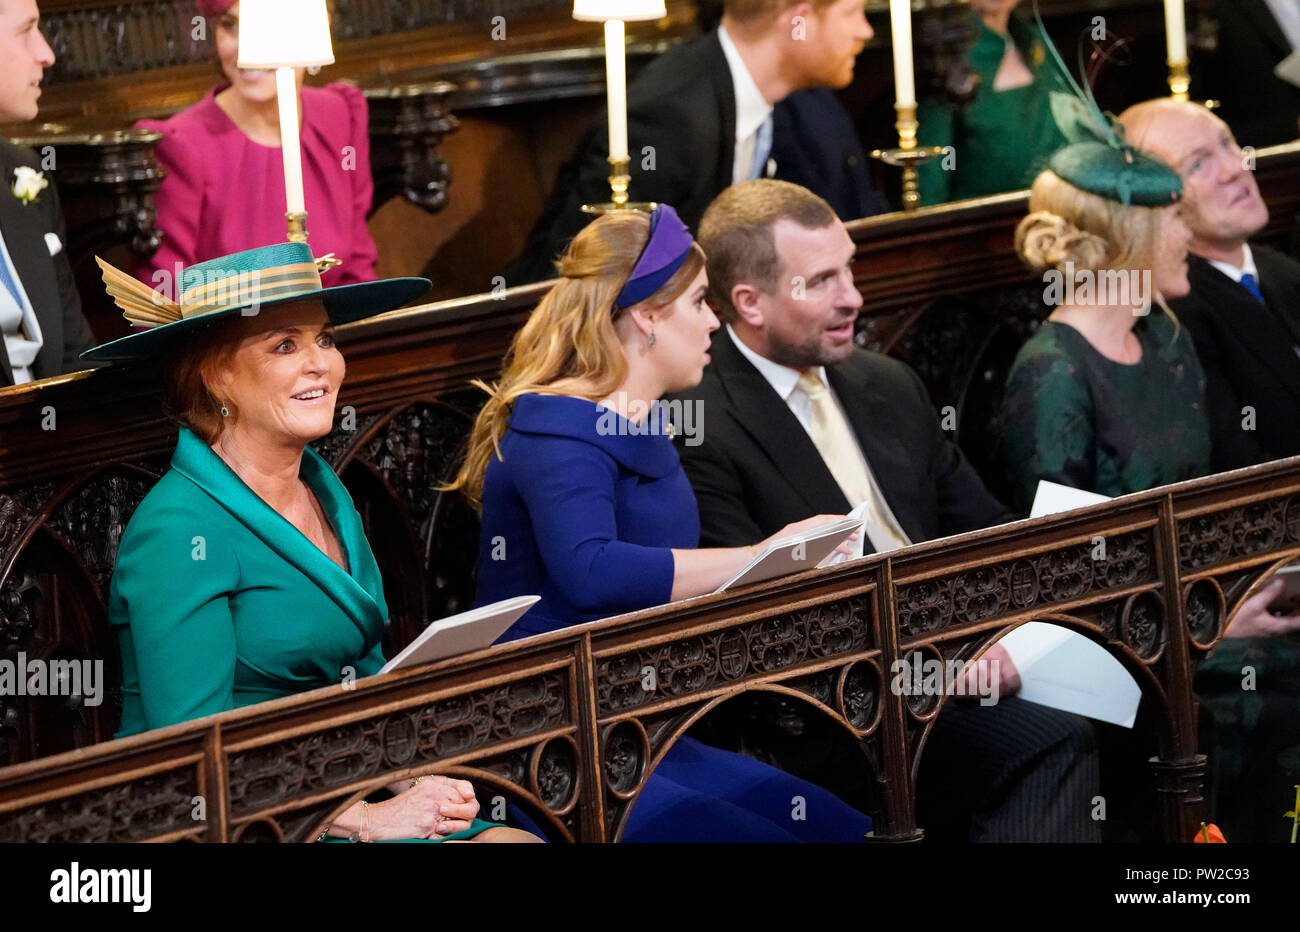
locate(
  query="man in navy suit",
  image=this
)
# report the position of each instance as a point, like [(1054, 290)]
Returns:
[(750, 99), (42, 326)]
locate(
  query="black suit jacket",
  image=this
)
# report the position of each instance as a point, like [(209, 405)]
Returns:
[(1248, 353), (756, 469), (682, 106), (47, 279), (1261, 108)]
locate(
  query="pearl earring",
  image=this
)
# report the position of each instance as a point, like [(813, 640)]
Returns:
[(651, 339)]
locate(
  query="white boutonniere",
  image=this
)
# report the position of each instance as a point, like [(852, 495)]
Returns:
[(28, 183)]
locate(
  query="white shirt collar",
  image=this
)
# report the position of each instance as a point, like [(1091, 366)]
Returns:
[(783, 379), (1236, 274), (752, 109)]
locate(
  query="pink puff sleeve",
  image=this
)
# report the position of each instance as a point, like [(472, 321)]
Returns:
[(361, 267), (180, 204)]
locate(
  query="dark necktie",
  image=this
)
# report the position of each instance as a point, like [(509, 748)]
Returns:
[(1249, 282)]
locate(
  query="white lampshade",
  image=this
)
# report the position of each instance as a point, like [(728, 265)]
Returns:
[(601, 10), (284, 33)]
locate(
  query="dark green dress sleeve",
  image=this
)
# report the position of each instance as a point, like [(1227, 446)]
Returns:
[(936, 127), (1046, 424)]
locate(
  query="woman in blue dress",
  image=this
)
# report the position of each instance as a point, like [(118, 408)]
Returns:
[(584, 500)]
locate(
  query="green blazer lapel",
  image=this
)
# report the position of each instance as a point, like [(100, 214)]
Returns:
[(359, 590)]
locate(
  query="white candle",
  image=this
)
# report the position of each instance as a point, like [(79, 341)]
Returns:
[(286, 90), (900, 21), (616, 86), (1175, 31)]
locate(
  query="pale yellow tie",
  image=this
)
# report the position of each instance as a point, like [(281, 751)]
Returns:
[(834, 439)]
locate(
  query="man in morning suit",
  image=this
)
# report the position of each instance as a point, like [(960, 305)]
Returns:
[(1243, 311), (1244, 315), (799, 421), (40, 310), (751, 99)]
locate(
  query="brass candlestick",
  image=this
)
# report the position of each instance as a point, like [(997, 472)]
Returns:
[(618, 182), (297, 227), (1180, 81), (908, 154)]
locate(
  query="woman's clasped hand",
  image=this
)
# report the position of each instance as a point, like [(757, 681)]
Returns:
[(428, 807)]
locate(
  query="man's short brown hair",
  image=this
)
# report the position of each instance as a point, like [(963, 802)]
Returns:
[(748, 12), (736, 233)]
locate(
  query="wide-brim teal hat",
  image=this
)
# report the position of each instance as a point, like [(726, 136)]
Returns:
[(238, 285)]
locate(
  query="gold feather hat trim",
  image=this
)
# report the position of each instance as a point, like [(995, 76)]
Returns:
[(243, 284)]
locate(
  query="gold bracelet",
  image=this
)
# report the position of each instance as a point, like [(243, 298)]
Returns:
[(418, 780)]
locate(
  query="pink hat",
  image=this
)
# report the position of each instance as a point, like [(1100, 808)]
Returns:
[(214, 7)]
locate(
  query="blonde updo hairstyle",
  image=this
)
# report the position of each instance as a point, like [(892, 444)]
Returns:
[(1069, 225), (570, 337)]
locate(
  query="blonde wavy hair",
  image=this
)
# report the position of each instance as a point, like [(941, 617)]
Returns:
[(570, 336)]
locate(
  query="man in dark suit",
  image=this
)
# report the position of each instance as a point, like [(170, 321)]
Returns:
[(1244, 315), (1253, 37), (799, 421), (749, 99), (40, 310), (1243, 311)]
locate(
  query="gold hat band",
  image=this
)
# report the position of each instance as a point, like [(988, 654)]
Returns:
[(250, 288)]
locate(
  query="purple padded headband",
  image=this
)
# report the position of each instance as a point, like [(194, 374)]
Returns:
[(669, 245)]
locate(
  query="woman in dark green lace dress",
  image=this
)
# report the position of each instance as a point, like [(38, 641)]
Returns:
[(1002, 136), (1075, 416), (1108, 395)]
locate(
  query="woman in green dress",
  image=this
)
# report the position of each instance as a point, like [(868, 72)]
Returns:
[(1108, 395), (1000, 138), (245, 575)]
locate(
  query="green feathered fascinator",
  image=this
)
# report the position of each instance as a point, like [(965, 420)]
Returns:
[(1097, 158)]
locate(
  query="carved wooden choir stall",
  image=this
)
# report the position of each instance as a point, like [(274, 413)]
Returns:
[(562, 725)]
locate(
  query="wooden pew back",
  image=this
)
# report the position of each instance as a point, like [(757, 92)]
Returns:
[(79, 452)]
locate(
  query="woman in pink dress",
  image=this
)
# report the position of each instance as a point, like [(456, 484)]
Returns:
[(224, 190)]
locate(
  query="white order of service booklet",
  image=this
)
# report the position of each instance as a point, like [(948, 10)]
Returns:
[(793, 554), (1059, 668), (462, 633)]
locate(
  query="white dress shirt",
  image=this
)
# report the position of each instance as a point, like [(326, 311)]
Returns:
[(785, 382), (1230, 270), (752, 111), (22, 333)]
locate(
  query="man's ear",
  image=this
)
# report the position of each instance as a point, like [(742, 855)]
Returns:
[(748, 302), (794, 14)]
